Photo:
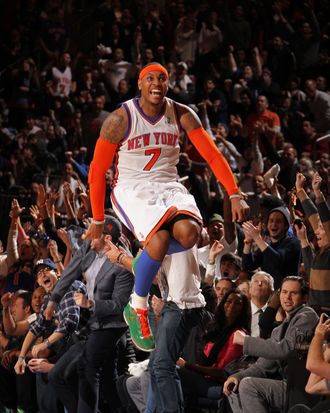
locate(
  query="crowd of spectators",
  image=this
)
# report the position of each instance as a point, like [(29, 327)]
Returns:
[(257, 73)]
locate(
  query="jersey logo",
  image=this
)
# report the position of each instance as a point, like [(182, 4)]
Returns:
[(156, 138)]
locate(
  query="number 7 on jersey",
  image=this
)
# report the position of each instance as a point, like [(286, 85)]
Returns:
[(155, 153)]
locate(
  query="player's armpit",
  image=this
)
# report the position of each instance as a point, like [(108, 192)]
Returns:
[(115, 126), (208, 150)]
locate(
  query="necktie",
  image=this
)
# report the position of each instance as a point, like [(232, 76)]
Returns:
[(262, 333)]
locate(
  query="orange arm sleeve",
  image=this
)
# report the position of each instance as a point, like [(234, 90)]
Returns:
[(102, 160), (207, 149)]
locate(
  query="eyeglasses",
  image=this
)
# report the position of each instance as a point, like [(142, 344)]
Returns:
[(44, 270)]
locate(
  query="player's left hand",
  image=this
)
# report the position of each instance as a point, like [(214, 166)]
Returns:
[(239, 209), (94, 231)]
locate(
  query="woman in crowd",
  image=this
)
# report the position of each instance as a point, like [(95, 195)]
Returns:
[(202, 380), (316, 264)]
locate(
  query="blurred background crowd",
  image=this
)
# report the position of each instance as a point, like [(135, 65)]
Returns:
[(256, 72), (258, 68)]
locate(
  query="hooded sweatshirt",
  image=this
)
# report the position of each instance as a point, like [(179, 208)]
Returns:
[(280, 259)]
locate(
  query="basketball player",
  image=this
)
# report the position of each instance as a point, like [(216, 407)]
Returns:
[(142, 137)]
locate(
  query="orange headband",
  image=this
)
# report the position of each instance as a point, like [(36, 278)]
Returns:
[(153, 68)]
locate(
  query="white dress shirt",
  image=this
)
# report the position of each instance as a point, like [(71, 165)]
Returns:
[(255, 313)]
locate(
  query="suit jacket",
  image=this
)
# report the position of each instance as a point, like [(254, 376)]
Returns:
[(112, 289), (274, 352)]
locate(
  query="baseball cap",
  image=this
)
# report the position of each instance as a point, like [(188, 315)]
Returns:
[(215, 217), (112, 227), (44, 262), (183, 64)]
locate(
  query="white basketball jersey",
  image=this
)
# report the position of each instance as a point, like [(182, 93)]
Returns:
[(150, 149), (63, 81)]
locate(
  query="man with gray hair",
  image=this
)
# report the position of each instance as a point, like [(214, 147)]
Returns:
[(261, 289)]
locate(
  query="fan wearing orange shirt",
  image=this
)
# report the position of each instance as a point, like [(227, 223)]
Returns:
[(265, 116)]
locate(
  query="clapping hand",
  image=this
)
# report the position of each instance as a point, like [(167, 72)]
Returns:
[(316, 183)]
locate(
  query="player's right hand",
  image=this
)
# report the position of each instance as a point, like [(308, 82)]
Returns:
[(94, 231)]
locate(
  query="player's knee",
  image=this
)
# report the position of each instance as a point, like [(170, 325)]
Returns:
[(161, 237), (189, 240), (188, 234), (158, 244)]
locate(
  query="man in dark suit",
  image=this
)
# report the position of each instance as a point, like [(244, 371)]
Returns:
[(108, 290)]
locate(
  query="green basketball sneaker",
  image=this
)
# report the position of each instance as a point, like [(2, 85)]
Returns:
[(137, 321)]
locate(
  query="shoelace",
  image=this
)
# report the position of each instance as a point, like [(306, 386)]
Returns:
[(144, 324)]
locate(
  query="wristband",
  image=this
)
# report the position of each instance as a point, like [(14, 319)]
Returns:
[(21, 357), (211, 262), (247, 242), (56, 262), (48, 343), (97, 222), (237, 195)]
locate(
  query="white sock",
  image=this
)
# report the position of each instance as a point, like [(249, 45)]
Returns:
[(139, 302)]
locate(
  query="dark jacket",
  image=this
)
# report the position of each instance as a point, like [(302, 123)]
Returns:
[(280, 259), (274, 352), (113, 287)]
